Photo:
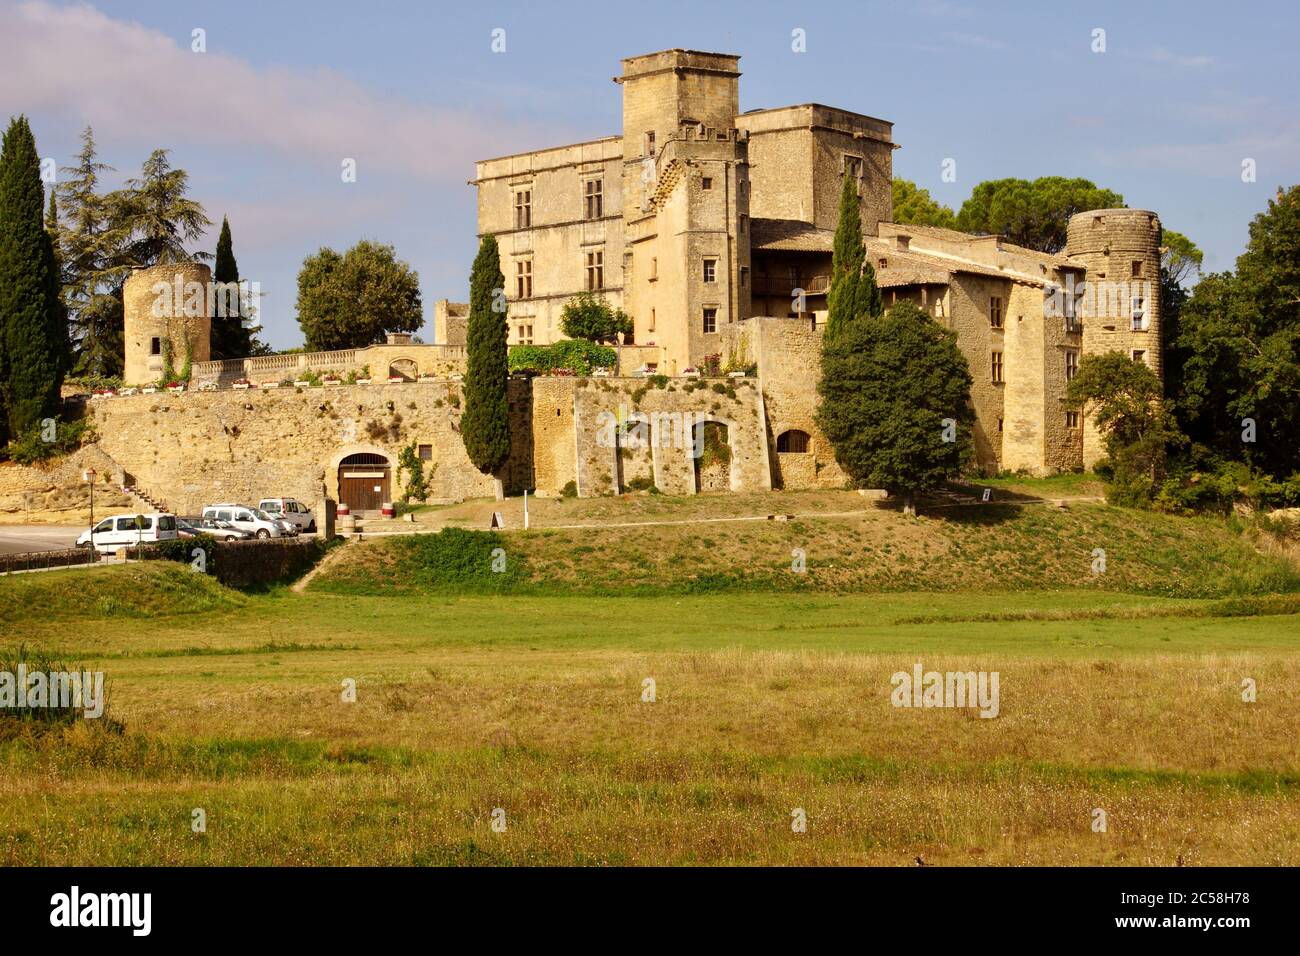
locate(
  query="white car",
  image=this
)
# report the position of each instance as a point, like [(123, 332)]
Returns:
[(290, 510), (253, 520), (124, 531)]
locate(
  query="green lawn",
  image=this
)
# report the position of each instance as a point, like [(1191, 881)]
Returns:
[(765, 702)]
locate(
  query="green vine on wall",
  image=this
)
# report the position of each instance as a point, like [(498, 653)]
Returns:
[(416, 485)]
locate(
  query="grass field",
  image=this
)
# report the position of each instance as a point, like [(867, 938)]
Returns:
[(1123, 696)]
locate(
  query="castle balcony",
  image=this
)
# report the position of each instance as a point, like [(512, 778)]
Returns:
[(784, 286)]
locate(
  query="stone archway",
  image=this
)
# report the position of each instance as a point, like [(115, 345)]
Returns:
[(405, 368), (711, 450), (356, 461)]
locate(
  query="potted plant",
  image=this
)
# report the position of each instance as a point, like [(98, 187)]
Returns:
[(331, 379), (102, 393), (130, 390), (149, 389), (396, 379), (691, 372), (241, 383), (208, 387), (427, 377), (268, 385)]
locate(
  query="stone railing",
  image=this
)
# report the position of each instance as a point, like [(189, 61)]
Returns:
[(259, 368)]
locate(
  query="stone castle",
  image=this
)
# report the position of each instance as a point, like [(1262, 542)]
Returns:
[(713, 230)]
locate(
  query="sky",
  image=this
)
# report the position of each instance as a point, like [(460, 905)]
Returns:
[(1166, 114)]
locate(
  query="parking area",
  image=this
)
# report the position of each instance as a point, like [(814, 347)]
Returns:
[(38, 537)]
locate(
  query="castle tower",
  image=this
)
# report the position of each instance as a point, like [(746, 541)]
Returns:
[(685, 202), (166, 314), (1120, 248)]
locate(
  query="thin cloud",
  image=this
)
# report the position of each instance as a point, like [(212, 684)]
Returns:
[(132, 82)]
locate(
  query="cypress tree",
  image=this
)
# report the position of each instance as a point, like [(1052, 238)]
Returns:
[(853, 292), (33, 358), (230, 338), (485, 426)]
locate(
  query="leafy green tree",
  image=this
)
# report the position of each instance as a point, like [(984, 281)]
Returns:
[(231, 338), (95, 266), (485, 424), (1180, 257), (589, 316), (1238, 348), (1126, 402), (1032, 214), (352, 300), (33, 351), (894, 389), (853, 292), (154, 216), (914, 205)]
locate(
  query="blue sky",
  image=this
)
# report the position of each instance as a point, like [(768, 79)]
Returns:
[(262, 121)]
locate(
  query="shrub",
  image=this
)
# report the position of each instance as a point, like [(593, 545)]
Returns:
[(570, 489), (31, 446), (574, 355)]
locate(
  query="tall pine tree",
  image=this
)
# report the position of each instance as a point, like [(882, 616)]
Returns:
[(485, 426), (230, 337), (94, 265), (32, 358), (853, 292)]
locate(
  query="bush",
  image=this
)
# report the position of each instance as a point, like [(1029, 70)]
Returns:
[(575, 355), (31, 446), (456, 559), (570, 489), (56, 714)]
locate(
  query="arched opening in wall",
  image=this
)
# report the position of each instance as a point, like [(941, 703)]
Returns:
[(712, 453), (793, 442), (633, 459), (404, 369), (365, 482)]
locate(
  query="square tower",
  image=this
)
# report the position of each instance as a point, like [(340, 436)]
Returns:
[(685, 202)]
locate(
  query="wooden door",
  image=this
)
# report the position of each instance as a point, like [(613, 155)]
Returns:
[(364, 487)]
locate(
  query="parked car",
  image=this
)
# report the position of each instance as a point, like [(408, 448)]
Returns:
[(290, 510), (121, 531), (258, 523), (221, 530)]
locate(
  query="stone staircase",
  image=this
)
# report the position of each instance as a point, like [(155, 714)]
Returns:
[(155, 504)]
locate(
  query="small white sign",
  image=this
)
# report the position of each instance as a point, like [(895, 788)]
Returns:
[(497, 520), (988, 494)]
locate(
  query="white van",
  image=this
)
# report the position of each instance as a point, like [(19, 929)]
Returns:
[(125, 531), (290, 510), (257, 523)]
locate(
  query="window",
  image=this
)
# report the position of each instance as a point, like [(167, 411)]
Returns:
[(744, 223), (167, 523), (1137, 269), (710, 321), (706, 182), (999, 424), (710, 270), (1071, 419), (426, 452), (648, 147), (793, 442), (1140, 355), (524, 279), (997, 367), (155, 346), (523, 208), (627, 337), (595, 198), (853, 166), (105, 525), (125, 524), (1139, 314), (654, 268), (652, 320), (882, 263), (995, 311), (744, 276), (595, 271), (1071, 364)]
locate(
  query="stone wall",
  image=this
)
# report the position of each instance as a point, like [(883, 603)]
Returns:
[(666, 420), (197, 448), (788, 355)]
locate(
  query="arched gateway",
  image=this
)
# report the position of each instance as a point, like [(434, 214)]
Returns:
[(365, 481)]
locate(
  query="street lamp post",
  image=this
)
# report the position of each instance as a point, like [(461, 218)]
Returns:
[(89, 475)]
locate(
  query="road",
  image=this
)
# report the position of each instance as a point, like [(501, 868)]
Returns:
[(37, 537)]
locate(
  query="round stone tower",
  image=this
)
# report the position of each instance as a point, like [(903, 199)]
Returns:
[(166, 314), (1120, 306)]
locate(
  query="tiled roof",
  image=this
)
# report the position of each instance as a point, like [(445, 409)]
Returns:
[(789, 235)]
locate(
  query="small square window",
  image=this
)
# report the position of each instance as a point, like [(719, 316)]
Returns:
[(426, 452), (710, 270), (710, 321), (1140, 355), (155, 346), (1071, 419), (706, 182), (1137, 269)]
